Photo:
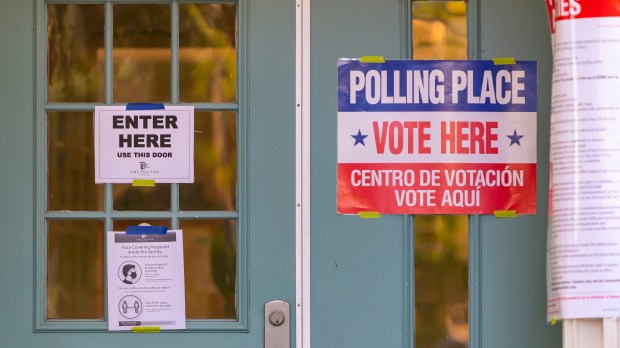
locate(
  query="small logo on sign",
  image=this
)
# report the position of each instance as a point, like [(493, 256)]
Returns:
[(144, 171)]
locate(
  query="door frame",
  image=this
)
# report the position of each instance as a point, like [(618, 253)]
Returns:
[(302, 173)]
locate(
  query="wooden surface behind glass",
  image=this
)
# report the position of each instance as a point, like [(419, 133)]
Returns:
[(74, 36), (210, 248), (207, 54), (215, 164), (70, 163), (75, 269), (147, 198), (142, 54)]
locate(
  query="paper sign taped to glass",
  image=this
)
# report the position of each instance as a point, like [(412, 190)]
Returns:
[(146, 281), (144, 143), (436, 137)]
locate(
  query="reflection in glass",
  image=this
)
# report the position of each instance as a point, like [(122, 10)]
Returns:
[(210, 247), (70, 163), (439, 30), (74, 37), (207, 54), (127, 197), (215, 163), (75, 270), (142, 54), (440, 242), (441, 275)]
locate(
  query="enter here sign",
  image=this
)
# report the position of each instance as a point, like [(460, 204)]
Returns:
[(144, 144)]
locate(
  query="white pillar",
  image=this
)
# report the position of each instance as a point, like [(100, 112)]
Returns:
[(591, 333)]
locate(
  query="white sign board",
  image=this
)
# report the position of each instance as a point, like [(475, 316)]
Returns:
[(146, 283), (583, 251), (144, 144)]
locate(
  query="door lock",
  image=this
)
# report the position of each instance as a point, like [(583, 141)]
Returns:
[(277, 317), (277, 325)]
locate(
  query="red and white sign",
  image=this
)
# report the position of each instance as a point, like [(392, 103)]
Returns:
[(462, 148)]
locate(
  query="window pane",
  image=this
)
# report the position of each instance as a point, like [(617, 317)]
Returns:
[(440, 242), (127, 197), (207, 54), (141, 56), (210, 247), (439, 30), (70, 163), (75, 270), (75, 69), (215, 163), (441, 276)]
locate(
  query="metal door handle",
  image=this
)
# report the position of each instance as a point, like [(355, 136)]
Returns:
[(277, 325)]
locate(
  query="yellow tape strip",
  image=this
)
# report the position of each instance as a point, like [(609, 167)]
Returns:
[(143, 182), (372, 59), (554, 320), (369, 214), (505, 213), (504, 61), (145, 329)]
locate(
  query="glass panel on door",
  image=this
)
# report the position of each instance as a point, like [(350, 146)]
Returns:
[(141, 63), (439, 31)]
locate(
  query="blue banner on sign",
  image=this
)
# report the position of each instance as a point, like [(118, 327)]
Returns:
[(417, 85)]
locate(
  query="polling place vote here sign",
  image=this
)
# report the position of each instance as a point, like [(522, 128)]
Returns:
[(436, 137), (144, 144)]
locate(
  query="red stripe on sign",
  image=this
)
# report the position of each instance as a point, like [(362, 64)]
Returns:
[(431, 188), (550, 12), (572, 9)]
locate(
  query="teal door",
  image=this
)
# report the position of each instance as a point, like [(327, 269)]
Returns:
[(236, 65), (364, 291)]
